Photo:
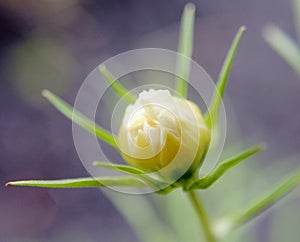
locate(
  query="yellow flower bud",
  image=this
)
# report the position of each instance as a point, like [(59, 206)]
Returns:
[(163, 133)]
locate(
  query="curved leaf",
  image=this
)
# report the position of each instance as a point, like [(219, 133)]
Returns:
[(221, 169)]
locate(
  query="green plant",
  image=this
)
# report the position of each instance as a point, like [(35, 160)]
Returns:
[(282, 43), (189, 183)]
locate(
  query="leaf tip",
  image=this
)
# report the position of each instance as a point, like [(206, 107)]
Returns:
[(8, 184), (257, 148), (269, 30), (190, 7), (242, 29), (46, 93), (102, 68), (260, 147)]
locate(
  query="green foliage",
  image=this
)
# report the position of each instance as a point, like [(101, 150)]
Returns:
[(121, 168), (282, 43), (80, 119), (296, 9), (221, 169), (212, 115), (157, 185), (283, 187), (139, 179), (81, 182), (185, 49), (117, 87)]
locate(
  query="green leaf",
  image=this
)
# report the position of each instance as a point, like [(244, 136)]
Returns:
[(185, 48), (80, 119), (221, 169), (283, 45), (154, 183), (117, 167), (285, 186), (116, 86), (211, 117), (81, 182), (296, 9)]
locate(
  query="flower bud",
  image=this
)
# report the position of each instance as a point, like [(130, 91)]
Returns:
[(163, 133)]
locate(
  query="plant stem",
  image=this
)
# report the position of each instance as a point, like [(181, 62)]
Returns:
[(201, 213)]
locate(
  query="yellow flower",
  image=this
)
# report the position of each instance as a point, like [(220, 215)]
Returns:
[(163, 133)]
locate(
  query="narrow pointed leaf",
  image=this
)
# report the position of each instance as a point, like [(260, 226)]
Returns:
[(81, 182), (185, 48), (284, 46), (80, 119), (211, 117), (155, 184), (117, 167), (221, 169), (285, 186), (116, 86), (296, 9)]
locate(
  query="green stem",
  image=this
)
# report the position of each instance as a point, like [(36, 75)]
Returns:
[(201, 213)]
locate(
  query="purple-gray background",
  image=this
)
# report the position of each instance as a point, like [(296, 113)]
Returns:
[(55, 44)]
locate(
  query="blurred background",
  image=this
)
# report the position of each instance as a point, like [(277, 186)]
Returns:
[(54, 44)]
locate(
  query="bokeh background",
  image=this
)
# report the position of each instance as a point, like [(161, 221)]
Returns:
[(54, 44)]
